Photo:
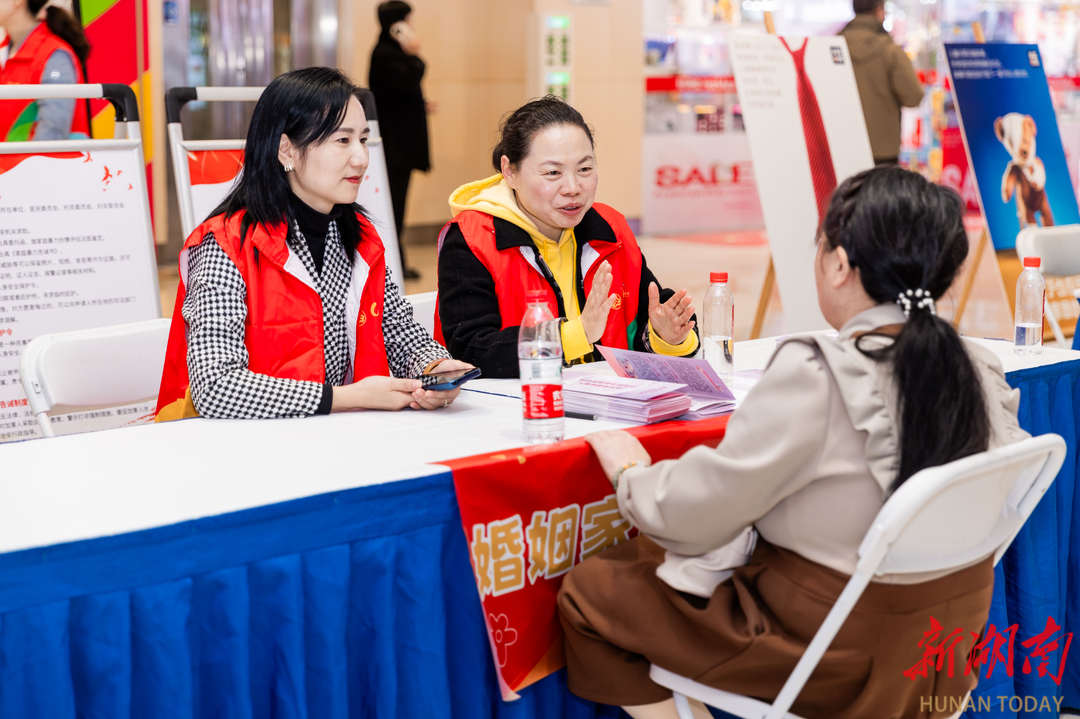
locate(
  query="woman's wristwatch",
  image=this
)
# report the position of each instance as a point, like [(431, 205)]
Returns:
[(620, 470)]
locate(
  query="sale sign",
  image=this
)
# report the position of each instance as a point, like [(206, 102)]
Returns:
[(530, 515)]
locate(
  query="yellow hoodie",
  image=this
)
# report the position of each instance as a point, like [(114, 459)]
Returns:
[(494, 197)]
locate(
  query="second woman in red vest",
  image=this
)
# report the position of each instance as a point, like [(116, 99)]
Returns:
[(535, 226), (41, 44), (285, 306)]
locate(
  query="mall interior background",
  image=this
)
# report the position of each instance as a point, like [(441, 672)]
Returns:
[(652, 76)]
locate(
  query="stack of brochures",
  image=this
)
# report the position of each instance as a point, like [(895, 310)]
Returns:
[(625, 399), (709, 396)]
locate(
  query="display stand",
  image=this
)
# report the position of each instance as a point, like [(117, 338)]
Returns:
[(212, 166), (76, 245), (805, 126), (1003, 101), (984, 237), (770, 274)]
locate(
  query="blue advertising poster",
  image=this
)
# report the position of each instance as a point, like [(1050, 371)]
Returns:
[(1011, 132)]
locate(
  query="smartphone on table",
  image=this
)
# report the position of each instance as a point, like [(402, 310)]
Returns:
[(451, 379)]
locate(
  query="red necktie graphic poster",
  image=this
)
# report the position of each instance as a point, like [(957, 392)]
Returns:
[(805, 124)]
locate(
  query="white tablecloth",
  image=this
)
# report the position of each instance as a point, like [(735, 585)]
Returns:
[(97, 484)]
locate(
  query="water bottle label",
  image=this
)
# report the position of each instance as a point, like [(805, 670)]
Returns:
[(542, 401)]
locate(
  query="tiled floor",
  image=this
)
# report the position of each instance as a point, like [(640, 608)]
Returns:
[(685, 261)]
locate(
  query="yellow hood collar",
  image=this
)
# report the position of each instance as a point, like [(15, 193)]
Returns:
[(494, 197)]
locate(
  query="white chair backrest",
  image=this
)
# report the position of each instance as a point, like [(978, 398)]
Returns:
[(949, 516), (1058, 247), (424, 309), (87, 369), (942, 518)]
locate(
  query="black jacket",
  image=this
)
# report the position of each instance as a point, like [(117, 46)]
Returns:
[(394, 78), (469, 307)]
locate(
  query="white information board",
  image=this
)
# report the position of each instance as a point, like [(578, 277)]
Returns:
[(765, 73), (698, 183), (75, 252)]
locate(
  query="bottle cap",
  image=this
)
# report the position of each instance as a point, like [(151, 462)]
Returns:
[(717, 277), (1032, 262), (535, 296)]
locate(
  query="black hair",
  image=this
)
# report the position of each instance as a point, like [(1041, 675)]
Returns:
[(903, 233), (308, 105), (517, 130), (866, 6), (392, 11), (64, 25)]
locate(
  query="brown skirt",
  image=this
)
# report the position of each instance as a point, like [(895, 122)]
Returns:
[(619, 617)]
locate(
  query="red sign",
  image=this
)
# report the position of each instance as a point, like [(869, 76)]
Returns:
[(529, 516), (211, 167), (722, 84), (955, 172), (669, 176), (1067, 84)]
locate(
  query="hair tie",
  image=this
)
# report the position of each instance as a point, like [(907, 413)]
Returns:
[(924, 301)]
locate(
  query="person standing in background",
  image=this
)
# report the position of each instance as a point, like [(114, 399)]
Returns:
[(884, 75), (43, 44), (394, 77)]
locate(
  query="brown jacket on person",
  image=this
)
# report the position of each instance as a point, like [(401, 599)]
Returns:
[(886, 82)]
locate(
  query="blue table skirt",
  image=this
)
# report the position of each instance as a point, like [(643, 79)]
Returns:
[(362, 604), (354, 604), (1039, 576)]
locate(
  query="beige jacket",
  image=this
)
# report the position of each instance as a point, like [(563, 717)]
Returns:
[(886, 82), (808, 458)]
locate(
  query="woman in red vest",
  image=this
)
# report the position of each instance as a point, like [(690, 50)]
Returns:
[(43, 44), (534, 226), (285, 306)]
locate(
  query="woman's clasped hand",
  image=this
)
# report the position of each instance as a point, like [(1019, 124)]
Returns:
[(393, 393)]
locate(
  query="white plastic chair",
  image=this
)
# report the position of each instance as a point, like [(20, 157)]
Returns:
[(1059, 249), (940, 519), (424, 309), (90, 369)]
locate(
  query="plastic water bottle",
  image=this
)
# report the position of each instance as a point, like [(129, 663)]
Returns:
[(719, 330), (1030, 299), (540, 361)]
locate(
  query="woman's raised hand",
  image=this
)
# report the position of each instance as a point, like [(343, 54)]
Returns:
[(671, 319), (598, 304)]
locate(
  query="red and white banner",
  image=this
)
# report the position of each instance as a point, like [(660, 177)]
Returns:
[(529, 516), (212, 174)]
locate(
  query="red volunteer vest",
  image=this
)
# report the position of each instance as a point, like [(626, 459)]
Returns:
[(514, 275), (19, 117), (284, 327)]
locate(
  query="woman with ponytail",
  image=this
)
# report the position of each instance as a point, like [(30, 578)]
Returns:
[(43, 44), (833, 427)]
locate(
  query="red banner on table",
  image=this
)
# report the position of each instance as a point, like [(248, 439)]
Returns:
[(529, 516), (724, 84)]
